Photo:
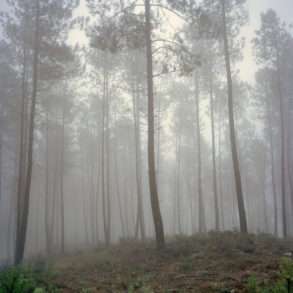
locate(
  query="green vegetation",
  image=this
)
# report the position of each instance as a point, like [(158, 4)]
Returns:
[(284, 283), (25, 280)]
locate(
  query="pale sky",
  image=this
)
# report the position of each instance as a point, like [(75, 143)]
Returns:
[(284, 9)]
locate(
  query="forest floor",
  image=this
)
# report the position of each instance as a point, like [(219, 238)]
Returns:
[(217, 262)]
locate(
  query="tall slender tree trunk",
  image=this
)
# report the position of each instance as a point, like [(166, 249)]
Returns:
[(84, 191), (221, 200), (140, 224), (283, 150), (201, 208), (105, 162), (22, 147), (118, 193), (159, 142), (1, 165), (103, 159), (235, 158), (272, 158), (55, 211), (155, 204), (177, 182), (62, 206), (23, 213), (47, 201), (108, 234), (215, 183), (97, 191)]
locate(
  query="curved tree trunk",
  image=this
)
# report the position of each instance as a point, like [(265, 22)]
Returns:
[(157, 217), (235, 158)]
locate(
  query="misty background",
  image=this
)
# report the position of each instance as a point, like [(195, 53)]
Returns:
[(85, 85)]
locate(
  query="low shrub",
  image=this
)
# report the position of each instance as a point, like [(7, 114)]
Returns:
[(24, 280)]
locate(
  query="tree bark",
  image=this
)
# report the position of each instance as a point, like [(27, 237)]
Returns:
[(157, 217)]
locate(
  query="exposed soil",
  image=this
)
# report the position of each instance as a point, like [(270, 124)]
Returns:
[(218, 262)]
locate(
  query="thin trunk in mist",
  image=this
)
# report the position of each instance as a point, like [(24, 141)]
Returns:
[(177, 183), (191, 206), (272, 158), (264, 201), (90, 167), (96, 233), (84, 192), (221, 200), (215, 183), (118, 193), (288, 154), (159, 141), (1, 164), (126, 206), (96, 189), (140, 224), (55, 212), (201, 208), (155, 204), (283, 149), (108, 234), (235, 158), (62, 206), (22, 147), (47, 201), (105, 160), (23, 213)]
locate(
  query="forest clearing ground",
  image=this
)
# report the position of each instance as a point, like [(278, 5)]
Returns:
[(217, 262)]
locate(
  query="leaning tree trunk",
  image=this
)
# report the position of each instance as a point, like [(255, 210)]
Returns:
[(23, 213), (235, 158), (157, 217)]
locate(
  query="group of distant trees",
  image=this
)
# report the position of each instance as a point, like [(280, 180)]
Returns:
[(87, 133)]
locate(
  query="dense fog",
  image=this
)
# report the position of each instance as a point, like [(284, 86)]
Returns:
[(131, 119)]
